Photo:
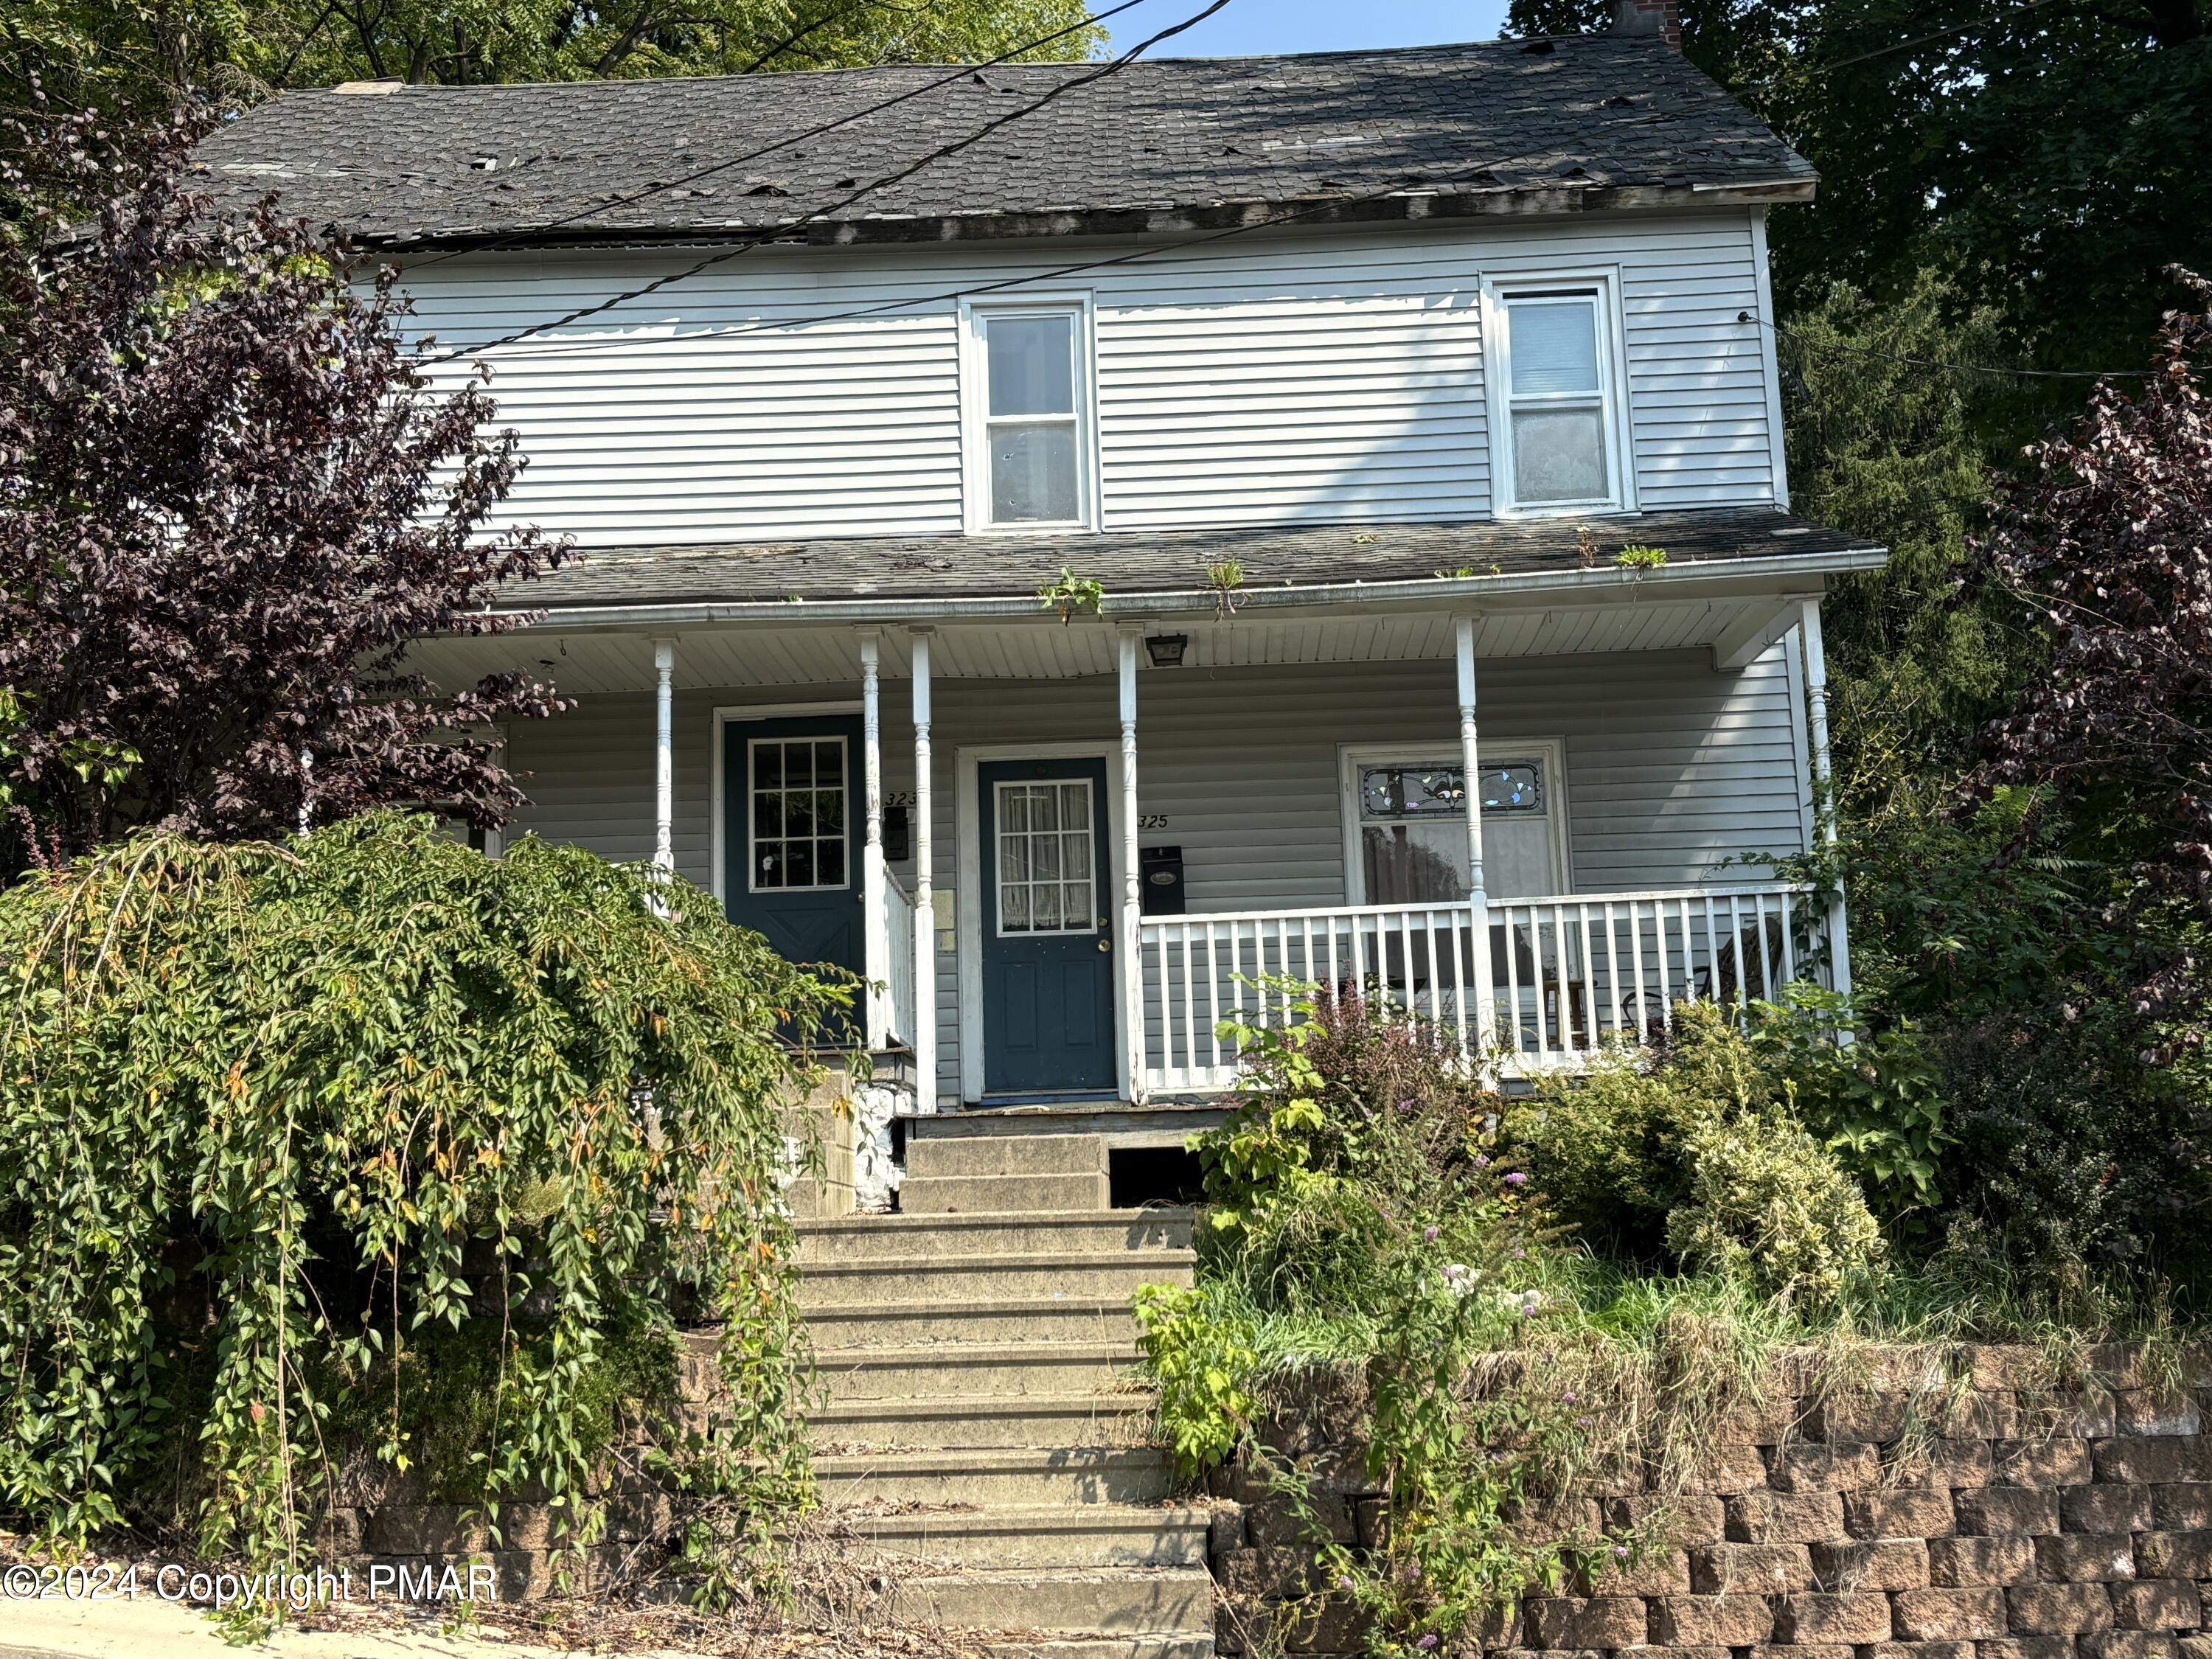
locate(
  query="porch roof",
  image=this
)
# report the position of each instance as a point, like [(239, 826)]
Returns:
[(1152, 572)]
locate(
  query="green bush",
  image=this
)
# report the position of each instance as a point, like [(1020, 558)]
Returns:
[(1768, 1204), (270, 1114), (1697, 1157)]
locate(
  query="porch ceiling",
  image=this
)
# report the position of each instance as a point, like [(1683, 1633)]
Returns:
[(1645, 617)]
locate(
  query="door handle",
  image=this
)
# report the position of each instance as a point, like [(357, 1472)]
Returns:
[(1106, 944)]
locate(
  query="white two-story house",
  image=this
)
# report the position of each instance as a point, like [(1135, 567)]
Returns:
[(1398, 434)]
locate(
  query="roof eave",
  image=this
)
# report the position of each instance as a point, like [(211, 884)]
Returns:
[(1413, 204), (1805, 572)]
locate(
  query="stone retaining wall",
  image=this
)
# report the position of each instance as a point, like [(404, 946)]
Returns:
[(1954, 1506)]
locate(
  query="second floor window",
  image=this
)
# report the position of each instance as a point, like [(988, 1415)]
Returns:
[(1559, 399), (1031, 413)]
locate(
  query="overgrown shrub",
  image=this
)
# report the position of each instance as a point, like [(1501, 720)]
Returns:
[(269, 1114), (1697, 1158), (1768, 1204)]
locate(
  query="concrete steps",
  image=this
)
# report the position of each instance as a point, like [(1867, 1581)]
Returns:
[(994, 1476), (1050, 1535), (1091, 1420), (981, 1435), (997, 1276)]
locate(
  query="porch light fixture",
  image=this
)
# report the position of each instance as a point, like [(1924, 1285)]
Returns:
[(1166, 649)]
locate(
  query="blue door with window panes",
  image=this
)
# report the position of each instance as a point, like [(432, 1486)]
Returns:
[(789, 836), (1049, 1022)]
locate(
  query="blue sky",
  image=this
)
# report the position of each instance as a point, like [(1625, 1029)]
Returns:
[(1261, 26)]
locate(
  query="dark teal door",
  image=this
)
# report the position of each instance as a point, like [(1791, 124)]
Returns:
[(1047, 939), (789, 835)]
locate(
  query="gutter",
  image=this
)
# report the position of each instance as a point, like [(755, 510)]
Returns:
[(1620, 585), (1412, 202)]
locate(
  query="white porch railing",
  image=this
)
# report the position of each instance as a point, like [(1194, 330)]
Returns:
[(1568, 975), (898, 977)]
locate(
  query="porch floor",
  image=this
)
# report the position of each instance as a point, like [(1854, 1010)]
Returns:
[(1124, 1124)]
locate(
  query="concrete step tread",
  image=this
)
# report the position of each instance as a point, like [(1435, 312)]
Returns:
[(1006, 1352), (976, 1306), (1112, 1402), (835, 1226), (1033, 1518), (1154, 1644), (986, 1460), (982, 1261)]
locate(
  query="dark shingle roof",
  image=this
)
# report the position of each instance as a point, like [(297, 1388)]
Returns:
[(1610, 118), (1154, 563)]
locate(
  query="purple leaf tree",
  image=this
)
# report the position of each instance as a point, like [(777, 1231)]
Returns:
[(227, 503), (2109, 537)]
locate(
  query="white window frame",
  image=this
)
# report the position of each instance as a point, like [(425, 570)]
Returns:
[(1549, 753), (1601, 284), (976, 416), (752, 871), (1091, 921)]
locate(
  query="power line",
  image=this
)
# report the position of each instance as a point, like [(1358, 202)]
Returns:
[(1782, 331), (1334, 205), (963, 72), (937, 154)]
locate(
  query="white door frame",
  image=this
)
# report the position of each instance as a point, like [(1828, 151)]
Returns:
[(740, 713), (969, 913), (1350, 757)]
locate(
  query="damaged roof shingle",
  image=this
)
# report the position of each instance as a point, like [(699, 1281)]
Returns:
[(1450, 125)]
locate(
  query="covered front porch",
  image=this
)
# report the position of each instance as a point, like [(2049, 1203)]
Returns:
[(1061, 854)]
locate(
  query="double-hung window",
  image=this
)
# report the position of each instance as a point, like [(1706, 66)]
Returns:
[(1029, 418), (1559, 399)]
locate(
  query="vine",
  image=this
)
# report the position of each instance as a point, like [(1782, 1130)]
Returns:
[(272, 1117)]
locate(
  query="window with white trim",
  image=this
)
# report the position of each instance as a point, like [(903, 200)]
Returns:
[(1030, 412), (1047, 881), (1559, 397)]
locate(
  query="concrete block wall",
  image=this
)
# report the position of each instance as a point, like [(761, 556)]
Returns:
[(1955, 1504)]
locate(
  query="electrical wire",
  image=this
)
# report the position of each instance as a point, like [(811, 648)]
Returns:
[(963, 72), (1783, 332), (1335, 205), (942, 151)]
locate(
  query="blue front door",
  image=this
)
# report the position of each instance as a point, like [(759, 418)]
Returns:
[(1048, 1023), (790, 837)]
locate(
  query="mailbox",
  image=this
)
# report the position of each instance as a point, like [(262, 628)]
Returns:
[(1162, 886)]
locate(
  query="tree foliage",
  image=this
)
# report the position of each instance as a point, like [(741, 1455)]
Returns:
[(2109, 538), (2044, 157), (227, 503), (269, 1113), (120, 56)]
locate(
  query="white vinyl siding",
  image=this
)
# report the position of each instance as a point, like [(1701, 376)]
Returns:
[(1673, 770), (1266, 379)]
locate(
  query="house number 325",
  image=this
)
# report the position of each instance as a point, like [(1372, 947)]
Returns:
[(1152, 821)]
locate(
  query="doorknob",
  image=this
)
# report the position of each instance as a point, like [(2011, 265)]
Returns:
[(1105, 943)]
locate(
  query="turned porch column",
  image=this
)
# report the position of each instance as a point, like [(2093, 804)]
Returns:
[(875, 929), (1478, 898), (924, 1034), (1131, 919), (663, 757), (1824, 804)]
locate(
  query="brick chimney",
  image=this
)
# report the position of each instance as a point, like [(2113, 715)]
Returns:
[(1660, 17)]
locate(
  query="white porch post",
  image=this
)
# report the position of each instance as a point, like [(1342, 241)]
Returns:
[(875, 930), (663, 757), (924, 1035), (1486, 1015), (1133, 965), (1816, 694)]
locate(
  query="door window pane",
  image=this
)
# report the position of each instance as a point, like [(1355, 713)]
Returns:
[(1033, 475), (798, 789), (1554, 346), (1047, 881), (1558, 455), (1032, 365)]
